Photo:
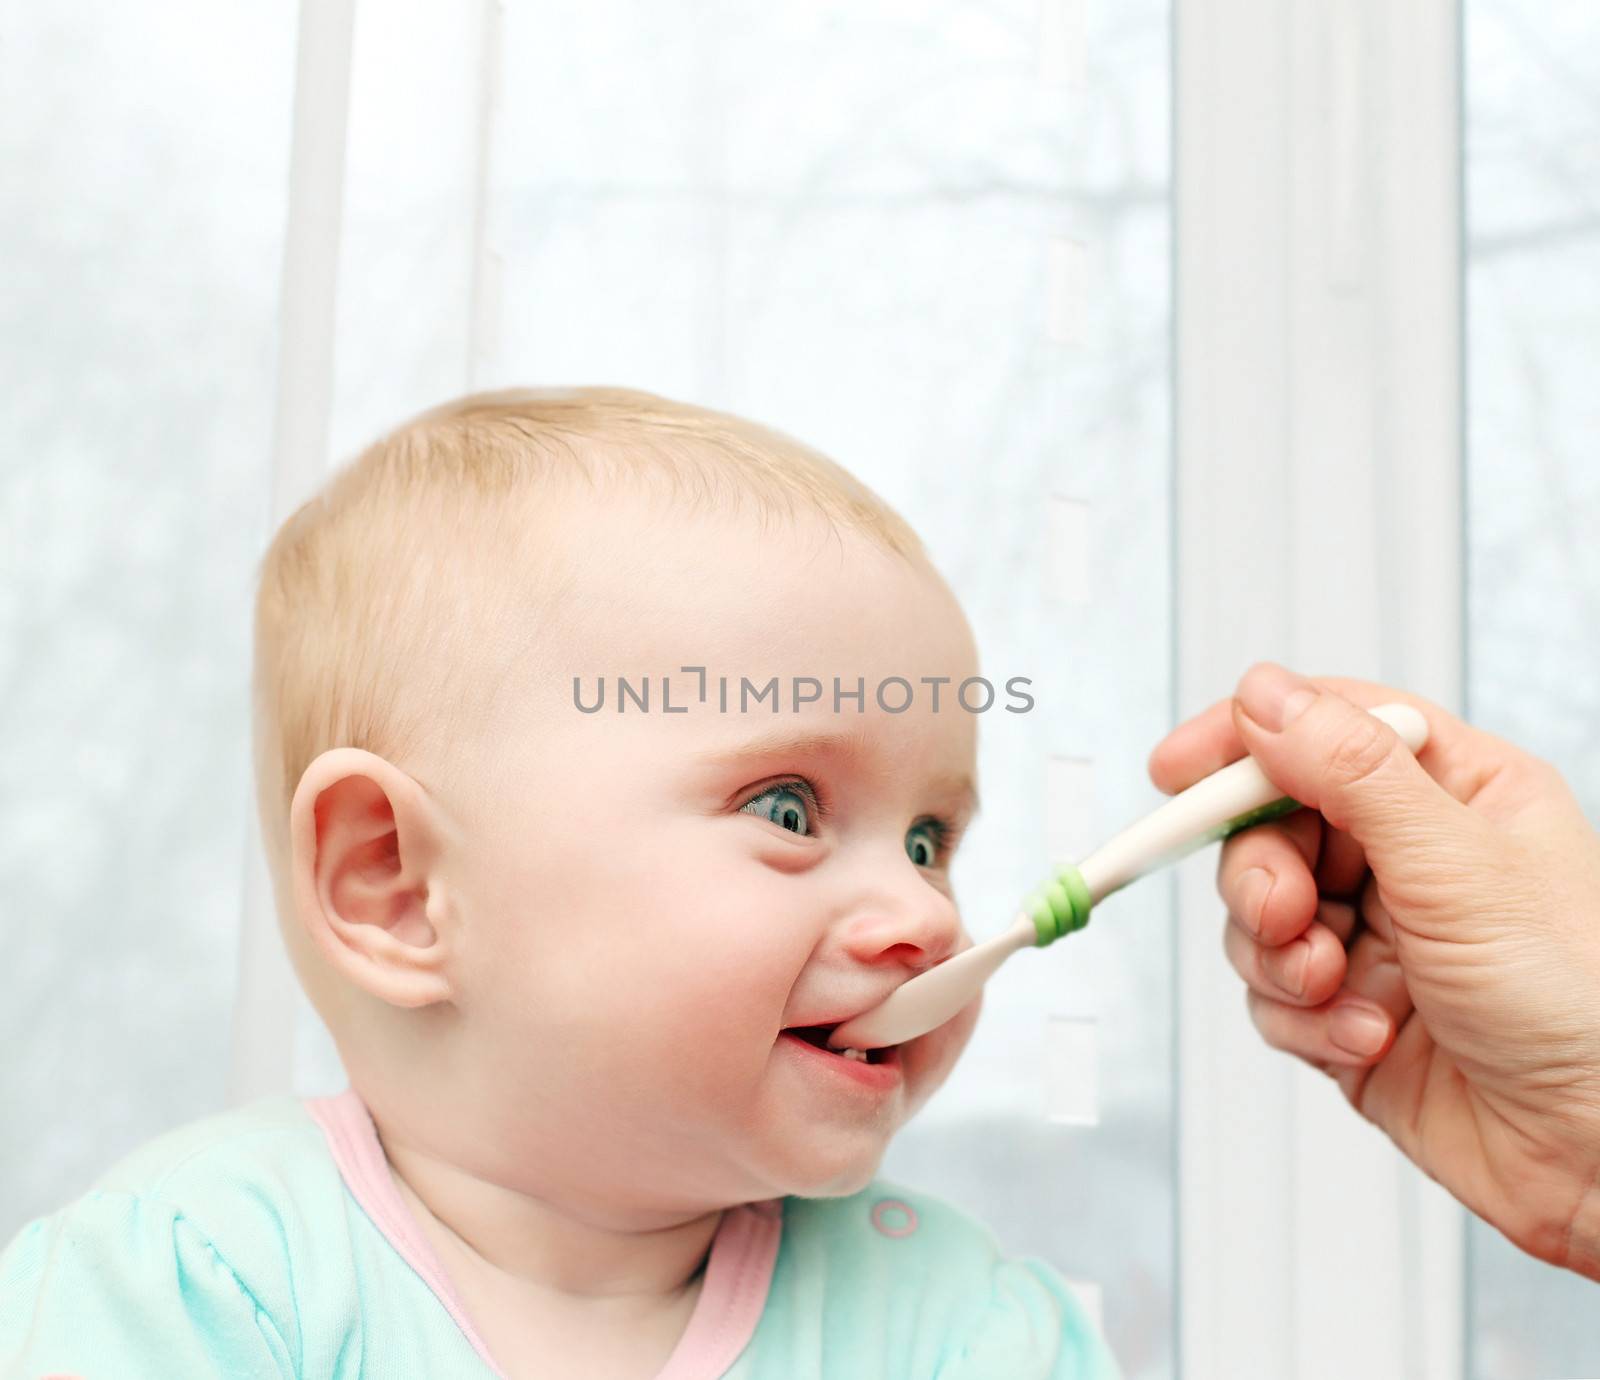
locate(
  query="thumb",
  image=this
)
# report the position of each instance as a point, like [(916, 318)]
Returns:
[(1353, 769)]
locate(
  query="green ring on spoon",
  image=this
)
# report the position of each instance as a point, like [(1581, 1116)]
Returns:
[(1059, 907)]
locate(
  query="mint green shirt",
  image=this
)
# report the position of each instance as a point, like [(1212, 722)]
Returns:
[(270, 1241)]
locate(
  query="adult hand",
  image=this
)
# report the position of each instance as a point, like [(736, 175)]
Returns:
[(1427, 932)]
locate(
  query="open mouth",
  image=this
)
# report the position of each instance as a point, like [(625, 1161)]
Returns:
[(818, 1035)]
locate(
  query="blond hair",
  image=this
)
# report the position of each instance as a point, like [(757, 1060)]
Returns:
[(373, 592)]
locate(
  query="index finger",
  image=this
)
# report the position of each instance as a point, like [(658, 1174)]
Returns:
[(1198, 746), (1459, 757)]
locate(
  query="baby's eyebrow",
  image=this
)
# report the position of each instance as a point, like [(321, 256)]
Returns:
[(852, 745)]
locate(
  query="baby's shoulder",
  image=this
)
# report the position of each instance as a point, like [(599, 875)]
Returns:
[(204, 1240), (255, 1184), (265, 1160), (241, 1139)]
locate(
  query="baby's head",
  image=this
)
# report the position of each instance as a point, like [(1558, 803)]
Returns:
[(552, 945)]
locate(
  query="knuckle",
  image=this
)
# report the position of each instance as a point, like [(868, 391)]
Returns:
[(1361, 751), (1552, 782)]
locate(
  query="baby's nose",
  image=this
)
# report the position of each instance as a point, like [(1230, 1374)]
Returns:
[(918, 931)]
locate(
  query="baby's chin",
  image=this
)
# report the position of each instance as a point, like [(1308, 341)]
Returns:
[(838, 1179), (829, 1159), (845, 1185)]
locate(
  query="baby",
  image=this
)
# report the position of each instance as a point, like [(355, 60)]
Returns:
[(566, 875)]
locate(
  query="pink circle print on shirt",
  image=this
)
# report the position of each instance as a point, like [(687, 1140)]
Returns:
[(893, 1217)]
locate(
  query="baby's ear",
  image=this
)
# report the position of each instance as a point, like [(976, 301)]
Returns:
[(365, 844)]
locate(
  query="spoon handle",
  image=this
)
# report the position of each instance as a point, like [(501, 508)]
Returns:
[(1215, 807)]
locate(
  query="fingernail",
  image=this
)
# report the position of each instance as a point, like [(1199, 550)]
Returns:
[(1287, 966), (1358, 1029), (1254, 888), (1274, 696)]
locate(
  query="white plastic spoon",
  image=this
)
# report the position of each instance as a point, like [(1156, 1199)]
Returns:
[(1213, 808)]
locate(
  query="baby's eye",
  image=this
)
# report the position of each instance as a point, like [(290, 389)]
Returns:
[(923, 841), (784, 806)]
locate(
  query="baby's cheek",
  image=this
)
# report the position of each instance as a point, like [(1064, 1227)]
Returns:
[(699, 991), (743, 958), (962, 1024), (936, 1053)]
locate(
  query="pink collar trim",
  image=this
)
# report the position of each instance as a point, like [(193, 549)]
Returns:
[(738, 1270)]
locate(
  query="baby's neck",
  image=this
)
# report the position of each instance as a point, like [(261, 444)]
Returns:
[(524, 1244)]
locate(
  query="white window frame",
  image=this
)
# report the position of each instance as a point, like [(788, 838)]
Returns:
[(1318, 518)]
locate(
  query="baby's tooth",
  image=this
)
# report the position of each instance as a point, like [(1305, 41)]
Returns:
[(853, 1053)]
